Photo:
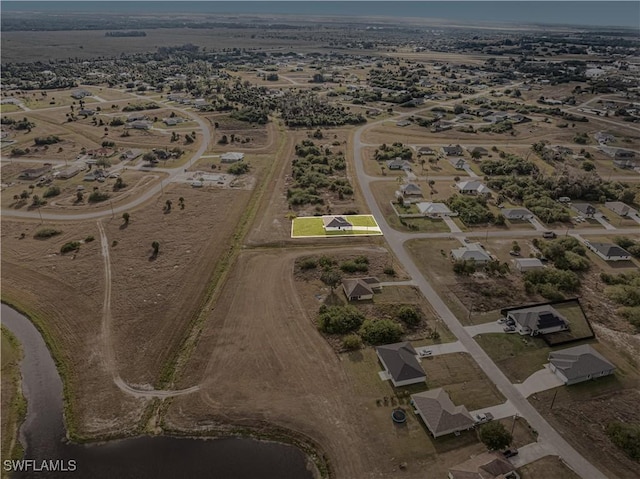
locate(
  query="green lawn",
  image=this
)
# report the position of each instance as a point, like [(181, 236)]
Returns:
[(310, 226)]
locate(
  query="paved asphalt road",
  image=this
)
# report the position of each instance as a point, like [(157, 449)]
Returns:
[(395, 239)]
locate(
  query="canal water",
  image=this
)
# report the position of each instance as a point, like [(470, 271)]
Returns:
[(157, 457)]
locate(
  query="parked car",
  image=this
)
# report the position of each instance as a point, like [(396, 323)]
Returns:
[(510, 453), (548, 234), (114, 175), (502, 320), (425, 352), (514, 253), (483, 417)]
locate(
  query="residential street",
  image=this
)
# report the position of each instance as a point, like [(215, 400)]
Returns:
[(547, 434)]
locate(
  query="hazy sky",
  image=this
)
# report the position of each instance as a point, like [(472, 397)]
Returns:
[(602, 13)]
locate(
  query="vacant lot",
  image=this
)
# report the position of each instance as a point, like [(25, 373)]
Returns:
[(63, 296), (152, 301), (549, 466), (581, 413), (312, 226)]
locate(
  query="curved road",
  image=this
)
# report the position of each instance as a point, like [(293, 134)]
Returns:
[(546, 433), (147, 195)]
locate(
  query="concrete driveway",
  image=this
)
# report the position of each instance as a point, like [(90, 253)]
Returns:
[(490, 327), (447, 348), (539, 381), (530, 453), (500, 411), (451, 224), (536, 224)]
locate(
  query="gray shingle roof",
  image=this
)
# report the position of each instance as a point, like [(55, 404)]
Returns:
[(335, 222), (580, 361), (610, 249), (356, 287), (400, 361), (537, 317), (440, 413)]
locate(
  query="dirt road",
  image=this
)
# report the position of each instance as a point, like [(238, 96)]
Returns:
[(260, 358)]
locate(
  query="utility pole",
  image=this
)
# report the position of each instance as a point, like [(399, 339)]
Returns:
[(514, 423), (40, 213), (112, 212), (553, 400)]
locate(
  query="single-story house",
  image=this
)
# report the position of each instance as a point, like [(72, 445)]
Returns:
[(488, 465), (136, 117), (626, 163), (410, 189), (585, 208), (471, 251), (398, 164), (359, 289), (580, 363), (400, 361), (130, 155), (609, 251), (80, 94), (536, 320), (68, 172), (231, 157), (172, 121), (435, 210), (452, 150), (336, 223), (426, 150), (458, 163), (604, 138), (140, 125), (619, 208), (527, 264), (86, 111), (472, 187), (33, 173), (439, 414), (621, 154), (517, 214)]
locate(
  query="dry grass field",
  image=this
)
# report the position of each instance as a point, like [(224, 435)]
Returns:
[(63, 295), (13, 404)]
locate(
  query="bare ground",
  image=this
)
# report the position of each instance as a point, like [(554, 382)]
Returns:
[(260, 358)]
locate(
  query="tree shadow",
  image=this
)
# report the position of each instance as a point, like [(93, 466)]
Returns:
[(124, 226)]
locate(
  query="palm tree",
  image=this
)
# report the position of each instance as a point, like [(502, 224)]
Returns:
[(125, 217), (167, 205), (156, 247)]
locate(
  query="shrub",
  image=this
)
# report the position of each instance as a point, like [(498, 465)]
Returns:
[(381, 331), (309, 263), (339, 319), (352, 342), (46, 233), (89, 239), (352, 267), (626, 437), (409, 315), (98, 196), (51, 191), (495, 436), (70, 246), (239, 168), (389, 271)]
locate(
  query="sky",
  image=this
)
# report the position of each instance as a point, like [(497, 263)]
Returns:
[(593, 13)]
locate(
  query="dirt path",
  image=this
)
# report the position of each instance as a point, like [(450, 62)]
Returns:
[(108, 356), (262, 360)]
